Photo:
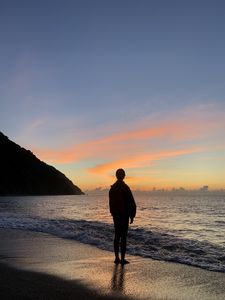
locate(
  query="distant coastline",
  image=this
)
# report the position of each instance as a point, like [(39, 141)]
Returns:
[(162, 191)]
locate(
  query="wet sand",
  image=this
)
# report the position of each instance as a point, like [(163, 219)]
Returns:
[(40, 266)]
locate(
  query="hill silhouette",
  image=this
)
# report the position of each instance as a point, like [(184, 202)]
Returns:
[(22, 173)]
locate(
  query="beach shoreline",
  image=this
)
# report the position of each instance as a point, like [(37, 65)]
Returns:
[(41, 266), (19, 284)]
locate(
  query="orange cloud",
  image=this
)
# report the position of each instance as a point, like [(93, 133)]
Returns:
[(143, 160), (118, 146)]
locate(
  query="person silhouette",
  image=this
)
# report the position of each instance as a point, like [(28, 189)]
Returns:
[(122, 208)]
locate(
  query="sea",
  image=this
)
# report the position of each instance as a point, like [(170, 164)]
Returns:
[(187, 228)]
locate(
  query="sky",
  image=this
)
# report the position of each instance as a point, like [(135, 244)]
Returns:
[(92, 86)]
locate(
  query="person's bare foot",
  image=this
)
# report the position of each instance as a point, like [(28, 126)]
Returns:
[(117, 261), (124, 262)]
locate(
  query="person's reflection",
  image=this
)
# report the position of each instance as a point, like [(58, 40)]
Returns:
[(117, 282)]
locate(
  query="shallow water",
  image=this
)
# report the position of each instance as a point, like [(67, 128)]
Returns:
[(189, 229)]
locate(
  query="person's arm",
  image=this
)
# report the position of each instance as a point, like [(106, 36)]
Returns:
[(132, 206), (110, 201)]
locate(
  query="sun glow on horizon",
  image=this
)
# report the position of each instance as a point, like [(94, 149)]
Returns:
[(169, 153)]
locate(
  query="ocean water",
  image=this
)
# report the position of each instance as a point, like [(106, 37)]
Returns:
[(188, 229)]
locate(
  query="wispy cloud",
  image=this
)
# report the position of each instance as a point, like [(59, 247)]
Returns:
[(144, 160), (134, 141), (142, 147)]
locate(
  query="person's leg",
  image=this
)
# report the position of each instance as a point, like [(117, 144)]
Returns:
[(124, 240), (116, 238), (123, 246), (116, 246)]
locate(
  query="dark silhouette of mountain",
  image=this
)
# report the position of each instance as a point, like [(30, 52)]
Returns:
[(22, 173)]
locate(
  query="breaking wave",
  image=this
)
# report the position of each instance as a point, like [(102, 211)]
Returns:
[(142, 242)]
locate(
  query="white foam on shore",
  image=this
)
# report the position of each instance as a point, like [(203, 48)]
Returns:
[(141, 242)]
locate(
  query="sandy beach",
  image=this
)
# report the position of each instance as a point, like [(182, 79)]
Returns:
[(40, 266)]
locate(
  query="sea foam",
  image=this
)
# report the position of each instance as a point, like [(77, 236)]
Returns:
[(141, 241)]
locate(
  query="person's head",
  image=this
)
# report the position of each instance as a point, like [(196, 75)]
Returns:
[(120, 174)]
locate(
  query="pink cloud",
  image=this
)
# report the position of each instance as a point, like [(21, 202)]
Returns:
[(128, 146), (140, 161)]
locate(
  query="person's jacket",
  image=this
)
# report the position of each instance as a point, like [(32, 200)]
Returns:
[(121, 200)]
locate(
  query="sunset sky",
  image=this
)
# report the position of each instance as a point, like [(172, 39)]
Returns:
[(91, 86)]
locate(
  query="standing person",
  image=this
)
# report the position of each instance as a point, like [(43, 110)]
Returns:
[(122, 208)]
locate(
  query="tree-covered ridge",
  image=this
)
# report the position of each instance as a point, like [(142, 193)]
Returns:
[(22, 173)]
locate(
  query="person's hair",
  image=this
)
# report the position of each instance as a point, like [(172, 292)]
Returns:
[(120, 174)]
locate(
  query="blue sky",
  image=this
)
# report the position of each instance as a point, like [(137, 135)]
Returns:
[(76, 72)]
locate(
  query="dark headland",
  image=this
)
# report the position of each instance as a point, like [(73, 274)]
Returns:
[(22, 173)]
